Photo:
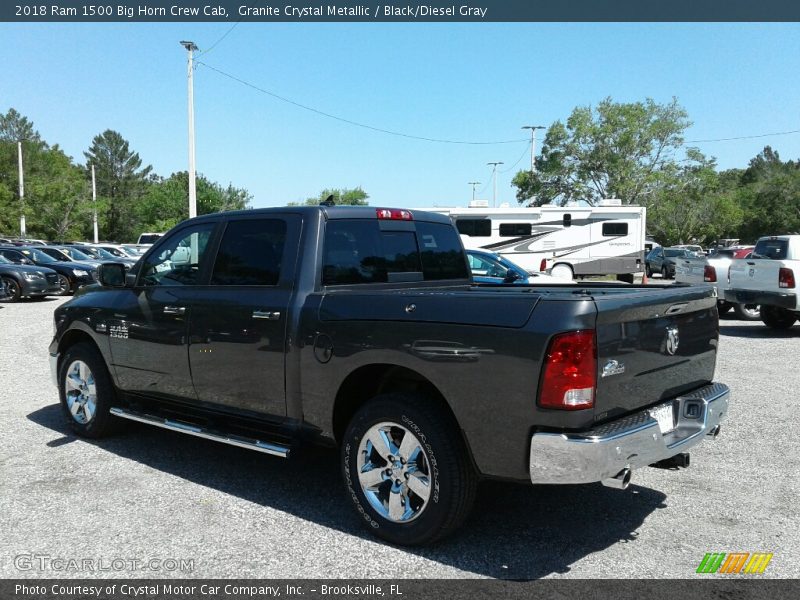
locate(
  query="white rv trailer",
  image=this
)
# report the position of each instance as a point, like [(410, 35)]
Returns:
[(566, 241)]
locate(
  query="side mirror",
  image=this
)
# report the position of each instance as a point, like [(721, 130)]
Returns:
[(111, 275), (511, 276)]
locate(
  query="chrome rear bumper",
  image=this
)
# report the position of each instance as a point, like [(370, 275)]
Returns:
[(628, 443)]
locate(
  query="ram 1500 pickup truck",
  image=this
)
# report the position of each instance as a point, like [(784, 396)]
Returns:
[(714, 270), (769, 278), (360, 327)]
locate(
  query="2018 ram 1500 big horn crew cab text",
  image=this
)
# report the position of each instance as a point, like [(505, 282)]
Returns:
[(361, 327)]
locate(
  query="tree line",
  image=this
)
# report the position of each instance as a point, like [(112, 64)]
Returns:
[(637, 152), (131, 198)]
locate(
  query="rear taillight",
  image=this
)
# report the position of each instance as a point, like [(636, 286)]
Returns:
[(709, 274), (543, 265), (786, 278), (569, 377)]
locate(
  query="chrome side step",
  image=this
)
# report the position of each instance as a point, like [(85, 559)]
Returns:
[(233, 440)]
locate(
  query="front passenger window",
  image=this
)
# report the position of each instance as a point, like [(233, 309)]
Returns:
[(177, 259)]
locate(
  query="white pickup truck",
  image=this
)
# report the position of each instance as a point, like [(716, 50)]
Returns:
[(714, 270), (769, 278)]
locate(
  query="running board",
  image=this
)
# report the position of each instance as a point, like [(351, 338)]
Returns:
[(233, 440)]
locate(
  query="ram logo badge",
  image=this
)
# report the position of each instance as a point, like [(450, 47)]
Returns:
[(671, 341)]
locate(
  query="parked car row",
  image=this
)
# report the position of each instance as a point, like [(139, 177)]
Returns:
[(39, 270)]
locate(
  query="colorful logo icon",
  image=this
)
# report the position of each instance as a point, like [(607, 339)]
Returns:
[(735, 562)]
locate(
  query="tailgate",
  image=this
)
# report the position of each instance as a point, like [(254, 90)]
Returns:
[(653, 346), (754, 274)]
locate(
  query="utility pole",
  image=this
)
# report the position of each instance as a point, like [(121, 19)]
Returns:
[(533, 129), (494, 181), (473, 184), (190, 48), (21, 192), (94, 200)]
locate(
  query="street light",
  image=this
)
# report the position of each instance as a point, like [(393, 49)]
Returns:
[(473, 184), (533, 129), (190, 48), (21, 191), (494, 181)]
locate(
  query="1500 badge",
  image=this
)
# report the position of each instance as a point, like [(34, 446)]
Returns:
[(118, 331)]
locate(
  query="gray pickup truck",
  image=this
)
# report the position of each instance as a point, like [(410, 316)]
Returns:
[(361, 328)]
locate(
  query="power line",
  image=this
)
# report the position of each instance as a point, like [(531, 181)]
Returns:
[(743, 137), (224, 35), (524, 152), (355, 123)]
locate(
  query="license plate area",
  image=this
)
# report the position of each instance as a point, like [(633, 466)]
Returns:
[(664, 416)]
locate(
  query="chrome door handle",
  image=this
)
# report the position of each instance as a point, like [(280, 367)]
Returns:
[(266, 314), (174, 310)]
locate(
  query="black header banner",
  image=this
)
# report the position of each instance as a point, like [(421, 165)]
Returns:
[(397, 11)]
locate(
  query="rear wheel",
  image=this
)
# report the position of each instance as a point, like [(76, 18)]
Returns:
[(747, 312), (563, 271), (407, 470), (87, 392), (648, 270), (664, 274), (776, 317), (13, 290)]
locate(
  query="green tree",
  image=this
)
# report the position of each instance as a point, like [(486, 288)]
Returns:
[(121, 183), (166, 202), (694, 205), (616, 150), (14, 128), (344, 196)]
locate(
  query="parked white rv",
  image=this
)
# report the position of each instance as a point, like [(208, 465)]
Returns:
[(566, 241)]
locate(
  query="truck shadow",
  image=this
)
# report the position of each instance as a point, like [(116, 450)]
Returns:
[(758, 331), (515, 531)]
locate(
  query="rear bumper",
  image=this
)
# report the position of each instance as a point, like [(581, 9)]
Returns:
[(784, 300), (628, 443)]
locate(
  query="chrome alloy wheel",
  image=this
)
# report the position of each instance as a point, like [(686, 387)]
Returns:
[(394, 472), (80, 392)]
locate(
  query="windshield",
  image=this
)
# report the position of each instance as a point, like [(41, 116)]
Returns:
[(90, 253), (114, 251), (672, 253), (57, 254), (38, 256), (76, 254)]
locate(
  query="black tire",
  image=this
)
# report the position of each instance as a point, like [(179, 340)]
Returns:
[(13, 290), (444, 461), (648, 271), (101, 423), (747, 312), (723, 307), (664, 274), (64, 285), (776, 317), (625, 277)]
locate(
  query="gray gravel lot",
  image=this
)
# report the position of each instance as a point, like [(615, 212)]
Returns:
[(151, 494)]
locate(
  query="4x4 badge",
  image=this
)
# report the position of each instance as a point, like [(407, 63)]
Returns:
[(613, 367)]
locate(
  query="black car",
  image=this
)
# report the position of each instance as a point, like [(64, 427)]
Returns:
[(663, 260), (18, 281), (71, 275), (96, 253)]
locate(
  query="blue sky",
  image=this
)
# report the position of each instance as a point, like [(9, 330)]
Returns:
[(478, 82)]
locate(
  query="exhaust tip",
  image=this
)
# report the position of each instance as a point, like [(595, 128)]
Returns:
[(620, 481), (714, 432)]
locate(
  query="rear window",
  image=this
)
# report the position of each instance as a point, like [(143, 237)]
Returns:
[(358, 251), (773, 249)]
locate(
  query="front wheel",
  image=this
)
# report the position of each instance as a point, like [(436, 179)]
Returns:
[(64, 285), (776, 317), (87, 392), (406, 469), (13, 290), (563, 271), (747, 312), (664, 273)]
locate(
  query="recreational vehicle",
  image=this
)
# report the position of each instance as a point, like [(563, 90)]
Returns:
[(566, 241)]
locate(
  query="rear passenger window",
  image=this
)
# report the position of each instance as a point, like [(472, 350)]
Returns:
[(514, 229), (358, 251), (773, 249), (474, 227), (250, 253), (610, 229)]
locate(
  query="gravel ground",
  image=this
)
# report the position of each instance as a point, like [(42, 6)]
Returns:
[(154, 495)]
